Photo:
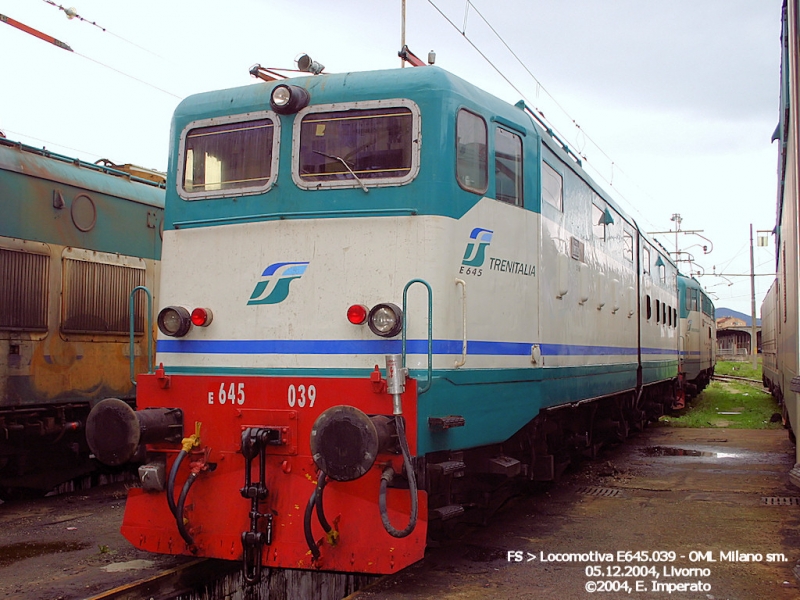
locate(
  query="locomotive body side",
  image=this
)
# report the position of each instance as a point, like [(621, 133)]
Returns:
[(74, 241), (404, 213), (698, 334), (769, 343), (786, 312)]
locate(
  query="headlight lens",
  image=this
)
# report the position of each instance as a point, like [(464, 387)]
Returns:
[(281, 95), (385, 320), (174, 321), (288, 99)]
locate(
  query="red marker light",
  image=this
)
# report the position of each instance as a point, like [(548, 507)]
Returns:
[(201, 317), (357, 314)]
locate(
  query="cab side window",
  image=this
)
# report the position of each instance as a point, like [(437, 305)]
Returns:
[(471, 152), (552, 187), (508, 167)]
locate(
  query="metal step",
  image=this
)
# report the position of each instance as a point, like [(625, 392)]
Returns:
[(447, 512), (449, 467), (448, 422)]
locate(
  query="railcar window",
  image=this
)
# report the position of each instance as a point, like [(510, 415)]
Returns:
[(552, 187), (658, 311), (627, 241), (471, 154), (96, 295), (345, 148), (645, 260), (23, 294), (225, 157), (649, 308), (662, 273), (508, 167)]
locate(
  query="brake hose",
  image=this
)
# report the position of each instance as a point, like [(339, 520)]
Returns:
[(181, 503), (315, 501), (171, 482), (387, 476)]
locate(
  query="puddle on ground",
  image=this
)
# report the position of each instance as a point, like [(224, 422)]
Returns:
[(669, 451), (16, 552), (131, 565)]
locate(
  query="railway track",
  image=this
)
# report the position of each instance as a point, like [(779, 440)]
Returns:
[(208, 578), (753, 382)]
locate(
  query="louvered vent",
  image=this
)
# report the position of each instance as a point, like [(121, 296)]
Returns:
[(23, 291), (96, 297)]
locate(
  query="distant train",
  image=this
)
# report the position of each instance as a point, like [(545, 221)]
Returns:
[(779, 311), (75, 239), (698, 340), (383, 296)]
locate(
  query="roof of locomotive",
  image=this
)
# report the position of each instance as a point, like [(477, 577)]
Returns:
[(43, 164)]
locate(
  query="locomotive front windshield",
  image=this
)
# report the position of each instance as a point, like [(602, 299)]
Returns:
[(230, 156), (352, 145)]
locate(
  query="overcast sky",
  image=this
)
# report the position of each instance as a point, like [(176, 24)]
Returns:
[(681, 96)]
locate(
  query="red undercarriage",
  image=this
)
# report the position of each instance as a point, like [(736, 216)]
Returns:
[(216, 514)]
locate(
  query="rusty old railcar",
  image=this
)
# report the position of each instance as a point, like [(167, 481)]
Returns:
[(75, 239)]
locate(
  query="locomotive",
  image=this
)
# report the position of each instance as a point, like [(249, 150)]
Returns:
[(75, 239), (698, 340), (383, 295), (779, 310)]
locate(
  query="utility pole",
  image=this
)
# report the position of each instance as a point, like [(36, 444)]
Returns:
[(677, 219), (753, 337)]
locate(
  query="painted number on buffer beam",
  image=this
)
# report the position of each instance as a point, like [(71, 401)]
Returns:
[(301, 396)]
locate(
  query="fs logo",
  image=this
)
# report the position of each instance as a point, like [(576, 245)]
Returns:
[(274, 285), (475, 253)]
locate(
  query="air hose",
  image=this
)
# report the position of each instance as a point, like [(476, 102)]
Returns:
[(387, 476), (181, 503), (315, 501), (177, 510), (171, 483)]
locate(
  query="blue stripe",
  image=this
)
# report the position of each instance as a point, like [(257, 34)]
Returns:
[(320, 347)]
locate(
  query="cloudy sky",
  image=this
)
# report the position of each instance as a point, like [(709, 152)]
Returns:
[(673, 104)]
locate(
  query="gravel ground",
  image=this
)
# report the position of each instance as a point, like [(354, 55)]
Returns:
[(695, 493), (676, 493), (68, 547)]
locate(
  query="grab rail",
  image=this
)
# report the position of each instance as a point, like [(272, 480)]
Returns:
[(148, 331), (463, 360), (427, 385)]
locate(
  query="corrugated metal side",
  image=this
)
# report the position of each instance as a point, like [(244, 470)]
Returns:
[(96, 297), (23, 290)]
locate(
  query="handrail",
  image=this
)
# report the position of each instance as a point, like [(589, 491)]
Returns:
[(463, 360), (427, 385), (148, 331)]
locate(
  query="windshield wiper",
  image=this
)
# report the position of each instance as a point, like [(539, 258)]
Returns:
[(346, 166)]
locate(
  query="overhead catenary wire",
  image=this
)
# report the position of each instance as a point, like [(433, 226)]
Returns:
[(615, 168), (72, 13), (50, 39)]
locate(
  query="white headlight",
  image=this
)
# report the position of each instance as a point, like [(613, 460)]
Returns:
[(281, 95), (385, 320)]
